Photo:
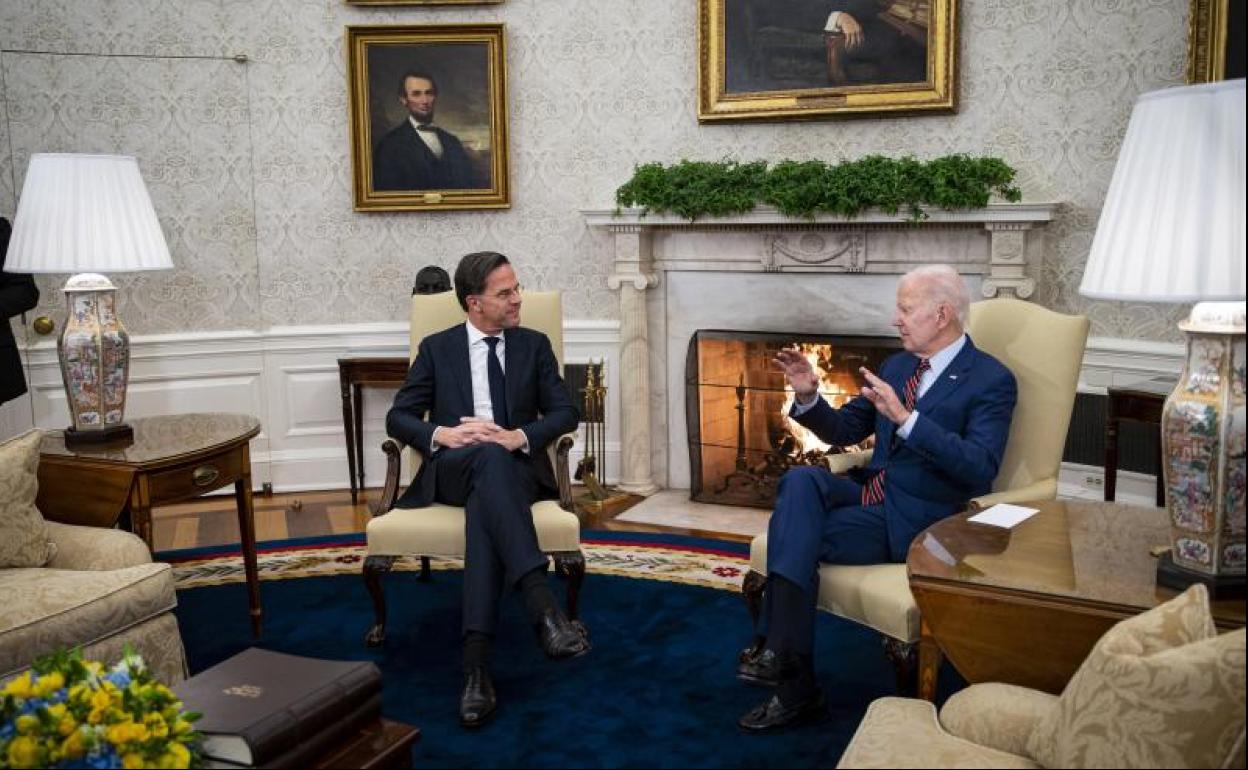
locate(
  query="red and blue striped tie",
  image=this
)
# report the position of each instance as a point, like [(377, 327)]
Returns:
[(873, 491)]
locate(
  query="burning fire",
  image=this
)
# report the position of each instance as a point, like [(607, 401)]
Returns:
[(836, 387)]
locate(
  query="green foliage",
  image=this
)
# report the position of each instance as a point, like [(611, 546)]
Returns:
[(807, 188)]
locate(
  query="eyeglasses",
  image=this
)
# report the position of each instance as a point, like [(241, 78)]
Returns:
[(506, 295)]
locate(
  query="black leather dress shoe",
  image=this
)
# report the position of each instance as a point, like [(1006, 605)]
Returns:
[(478, 701), (559, 638), (759, 667), (773, 715)]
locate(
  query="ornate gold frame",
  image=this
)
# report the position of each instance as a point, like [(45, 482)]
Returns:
[(423, 2), (937, 94), (1206, 40), (358, 41)]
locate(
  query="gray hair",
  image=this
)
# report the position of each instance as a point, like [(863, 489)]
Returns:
[(941, 284)]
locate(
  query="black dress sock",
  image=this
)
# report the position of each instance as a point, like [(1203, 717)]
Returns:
[(476, 650), (538, 598), (792, 637)]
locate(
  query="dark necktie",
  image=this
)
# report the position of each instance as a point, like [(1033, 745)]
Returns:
[(873, 490), (498, 384)]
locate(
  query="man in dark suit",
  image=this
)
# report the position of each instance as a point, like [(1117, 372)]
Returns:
[(417, 155), (482, 401), (940, 413), (18, 294)]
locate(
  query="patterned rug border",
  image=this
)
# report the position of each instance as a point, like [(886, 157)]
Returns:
[(667, 558)]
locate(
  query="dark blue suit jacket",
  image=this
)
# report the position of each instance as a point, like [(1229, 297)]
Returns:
[(438, 392), (954, 451)]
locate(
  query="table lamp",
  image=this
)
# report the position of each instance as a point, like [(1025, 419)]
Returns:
[(89, 214), (1172, 230)]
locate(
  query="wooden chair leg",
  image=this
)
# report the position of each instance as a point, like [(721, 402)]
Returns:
[(572, 565), (904, 656), (752, 592), (374, 568), (426, 573)]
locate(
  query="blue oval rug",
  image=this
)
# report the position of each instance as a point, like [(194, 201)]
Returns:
[(657, 690)]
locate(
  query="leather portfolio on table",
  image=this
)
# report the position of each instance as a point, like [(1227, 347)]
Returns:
[(278, 710)]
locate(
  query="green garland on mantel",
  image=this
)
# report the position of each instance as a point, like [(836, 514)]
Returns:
[(804, 189)]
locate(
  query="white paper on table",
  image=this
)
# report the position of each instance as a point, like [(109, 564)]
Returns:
[(1004, 515)]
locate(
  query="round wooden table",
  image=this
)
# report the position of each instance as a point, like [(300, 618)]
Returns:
[(172, 458)]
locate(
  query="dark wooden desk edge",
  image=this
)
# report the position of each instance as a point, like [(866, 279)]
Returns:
[(396, 739)]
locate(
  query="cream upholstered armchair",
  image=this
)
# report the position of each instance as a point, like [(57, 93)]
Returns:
[(438, 530), (68, 586), (1162, 689), (1044, 350)]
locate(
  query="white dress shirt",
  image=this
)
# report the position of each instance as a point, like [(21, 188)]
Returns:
[(430, 138), (478, 365)]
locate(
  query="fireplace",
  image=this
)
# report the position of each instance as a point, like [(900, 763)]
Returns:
[(741, 440)]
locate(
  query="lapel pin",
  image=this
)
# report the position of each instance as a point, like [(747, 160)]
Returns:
[(953, 376)]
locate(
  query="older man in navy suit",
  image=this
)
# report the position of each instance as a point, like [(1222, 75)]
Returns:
[(482, 401), (940, 413)]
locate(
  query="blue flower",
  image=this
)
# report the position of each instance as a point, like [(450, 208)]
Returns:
[(100, 757), (7, 731), (119, 677)]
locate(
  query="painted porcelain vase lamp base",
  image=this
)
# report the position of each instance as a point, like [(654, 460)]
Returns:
[(94, 351), (1202, 434)]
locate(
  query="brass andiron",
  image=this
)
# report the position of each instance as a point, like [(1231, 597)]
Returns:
[(595, 427), (592, 467)]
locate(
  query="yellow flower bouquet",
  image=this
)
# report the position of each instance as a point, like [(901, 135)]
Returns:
[(70, 712)]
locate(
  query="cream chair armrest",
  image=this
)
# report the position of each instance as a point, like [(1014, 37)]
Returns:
[(903, 732), (1045, 489), (846, 460), (95, 548), (999, 716)]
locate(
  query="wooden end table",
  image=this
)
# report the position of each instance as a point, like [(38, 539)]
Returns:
[(172, 458), (1025, 605), (1141, 402), (355, 373)]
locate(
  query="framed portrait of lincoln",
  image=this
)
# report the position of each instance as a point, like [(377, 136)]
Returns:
[(801, 59), (428, 115)]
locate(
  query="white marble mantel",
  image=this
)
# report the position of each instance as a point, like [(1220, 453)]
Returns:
[(990, 246)]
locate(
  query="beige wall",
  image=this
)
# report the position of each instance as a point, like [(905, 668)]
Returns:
[(249, 168)]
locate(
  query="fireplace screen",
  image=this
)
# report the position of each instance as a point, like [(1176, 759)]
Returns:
[(741, 440)]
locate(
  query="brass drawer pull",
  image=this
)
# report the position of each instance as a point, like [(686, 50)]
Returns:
[(204, 475)]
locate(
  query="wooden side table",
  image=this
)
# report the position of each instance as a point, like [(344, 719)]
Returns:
[(172, 458), (1025, 605), (1142, 402), (355, 373)]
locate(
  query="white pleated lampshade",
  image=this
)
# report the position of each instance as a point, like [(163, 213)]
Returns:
[(85, 213), (1172, 229)]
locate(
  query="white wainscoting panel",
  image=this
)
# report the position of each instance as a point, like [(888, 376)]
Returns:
[(288, 377)]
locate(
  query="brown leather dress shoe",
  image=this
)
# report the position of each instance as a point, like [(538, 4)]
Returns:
[(773, 715), (559, 638), (478, 701)]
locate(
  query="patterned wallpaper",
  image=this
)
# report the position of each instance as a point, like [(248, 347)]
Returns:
[(248, 163)]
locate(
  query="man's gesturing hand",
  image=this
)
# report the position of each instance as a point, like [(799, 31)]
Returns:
[(881, 394), (799, 373)]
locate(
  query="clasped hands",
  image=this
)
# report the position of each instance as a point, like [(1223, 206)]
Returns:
[(805, 383), (477, 430)]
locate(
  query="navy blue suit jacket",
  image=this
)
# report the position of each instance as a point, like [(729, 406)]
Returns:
[(952, 454), (438, 392)]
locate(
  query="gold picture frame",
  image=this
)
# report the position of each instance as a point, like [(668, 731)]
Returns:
[(423, 2), (762, 61), (1214, 52), (428, 116)]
